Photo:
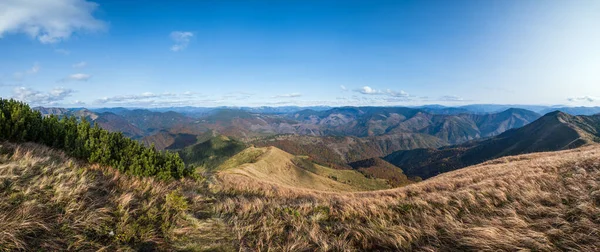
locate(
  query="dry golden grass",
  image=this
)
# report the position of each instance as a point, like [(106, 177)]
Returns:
[(272, 165), (50, 202), (544, 202)]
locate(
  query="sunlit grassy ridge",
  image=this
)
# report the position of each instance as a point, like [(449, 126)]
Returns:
[(273, 165), (544, 202)]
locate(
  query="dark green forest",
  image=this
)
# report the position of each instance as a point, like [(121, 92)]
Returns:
[(80, 139)]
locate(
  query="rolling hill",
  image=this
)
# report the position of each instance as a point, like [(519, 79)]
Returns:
[(554, 131), (275, 166)]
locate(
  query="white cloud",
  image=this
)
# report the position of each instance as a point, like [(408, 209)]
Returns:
[(78, 102), (49, 21), (77, 77), (368, 90), (37, 97), (291, 95), (80, 64), (343, 88), (181, 39), (371, 91), (583, 99), (62, 51)]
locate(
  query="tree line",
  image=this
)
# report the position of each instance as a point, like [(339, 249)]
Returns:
[(80, 139)]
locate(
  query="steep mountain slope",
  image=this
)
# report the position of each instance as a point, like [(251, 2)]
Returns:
[(554, 131), (495, 124), (210, 153), (535, 202), (275, 166)]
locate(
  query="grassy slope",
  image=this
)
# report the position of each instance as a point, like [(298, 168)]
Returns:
[(49, 202), (543, 201), (281, 168)]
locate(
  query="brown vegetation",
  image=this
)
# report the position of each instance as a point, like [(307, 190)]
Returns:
[(543, 201)]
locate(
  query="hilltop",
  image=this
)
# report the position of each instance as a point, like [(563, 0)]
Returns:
[(273, 165)]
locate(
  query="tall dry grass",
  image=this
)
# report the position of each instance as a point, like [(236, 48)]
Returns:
[(543, 202), (50, 202)]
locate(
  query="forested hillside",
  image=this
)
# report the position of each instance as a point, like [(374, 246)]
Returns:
[(78, 138)]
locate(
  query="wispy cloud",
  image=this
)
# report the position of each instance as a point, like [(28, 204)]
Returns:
[(42, 98), (181, 39), (80, 64), (344, 88), (583, 99), (291, 95), (366, 90), (77, 77), (48, 21)]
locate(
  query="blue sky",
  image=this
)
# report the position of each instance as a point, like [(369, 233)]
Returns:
[(77, 53)]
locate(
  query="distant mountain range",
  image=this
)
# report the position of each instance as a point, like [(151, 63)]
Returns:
[(554, 131), (423, 141), (172, 130)]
